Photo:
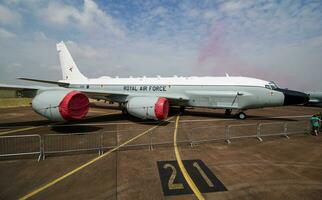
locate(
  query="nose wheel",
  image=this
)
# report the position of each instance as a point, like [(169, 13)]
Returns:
[(241, 115)]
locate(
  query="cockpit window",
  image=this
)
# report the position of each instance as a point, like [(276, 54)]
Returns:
[(273, 85)]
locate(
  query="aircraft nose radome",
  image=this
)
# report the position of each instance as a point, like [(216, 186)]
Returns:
[(295, 97)]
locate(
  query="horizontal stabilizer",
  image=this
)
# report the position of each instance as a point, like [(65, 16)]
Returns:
[(62, 84)]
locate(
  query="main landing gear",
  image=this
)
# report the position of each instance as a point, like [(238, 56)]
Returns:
[(124, 111), (228, 112), (122, 106), (182, 109), (239, 114)]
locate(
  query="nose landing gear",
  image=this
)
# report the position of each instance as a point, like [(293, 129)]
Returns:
[(239, 114)]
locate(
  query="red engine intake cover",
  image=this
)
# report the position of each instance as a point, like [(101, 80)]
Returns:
[(74, 106), (161, 108)]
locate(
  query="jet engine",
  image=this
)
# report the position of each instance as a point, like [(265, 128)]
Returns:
[(61, 105), (156, 108)]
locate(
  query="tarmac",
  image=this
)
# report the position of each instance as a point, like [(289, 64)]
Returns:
[(276, 168)]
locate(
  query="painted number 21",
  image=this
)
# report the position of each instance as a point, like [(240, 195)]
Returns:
[(176, 186)]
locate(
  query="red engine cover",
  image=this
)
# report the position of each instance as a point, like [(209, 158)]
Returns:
[(161, 108), (74, 106)]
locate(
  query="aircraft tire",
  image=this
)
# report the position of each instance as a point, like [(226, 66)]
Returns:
[(124, 111), (241, 115)]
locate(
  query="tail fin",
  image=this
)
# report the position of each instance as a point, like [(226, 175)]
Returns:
[(68, 66)]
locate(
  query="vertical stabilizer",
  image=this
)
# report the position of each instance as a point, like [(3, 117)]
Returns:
[(68, 66)]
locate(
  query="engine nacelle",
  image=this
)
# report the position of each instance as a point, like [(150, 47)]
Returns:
[(61, 105), (156, 108)]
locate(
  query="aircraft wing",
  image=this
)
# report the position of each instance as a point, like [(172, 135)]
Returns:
[(20, 87), (22, 90), (92, 93)]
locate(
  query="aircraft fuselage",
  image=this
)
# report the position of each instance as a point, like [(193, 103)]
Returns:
[(213, 92)]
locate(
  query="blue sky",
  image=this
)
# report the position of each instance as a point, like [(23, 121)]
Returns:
[(271, 40)]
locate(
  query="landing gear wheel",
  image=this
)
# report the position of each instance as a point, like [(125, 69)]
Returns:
[(241, 115), (228, 112), (124, 111)]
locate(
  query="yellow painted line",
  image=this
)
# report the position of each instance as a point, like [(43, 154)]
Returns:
[(181, 166), (96, 111), (88, 163), (102, 111), (19, 130)]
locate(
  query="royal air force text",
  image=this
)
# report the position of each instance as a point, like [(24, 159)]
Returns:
[(154, 88)]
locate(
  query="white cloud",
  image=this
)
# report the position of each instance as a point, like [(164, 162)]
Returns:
[(192, 12), (81, 50), (158, 11), (210, 14), (4, 34), (40, 35), (89, 18), (59, 13), (8, 16), (234, 5)]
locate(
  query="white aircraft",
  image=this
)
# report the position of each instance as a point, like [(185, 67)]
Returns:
[(150, 98)]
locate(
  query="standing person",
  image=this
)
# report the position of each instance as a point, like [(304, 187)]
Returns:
[(320, 116), (315, 122)]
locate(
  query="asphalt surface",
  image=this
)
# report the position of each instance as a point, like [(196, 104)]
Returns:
[(276, 168)]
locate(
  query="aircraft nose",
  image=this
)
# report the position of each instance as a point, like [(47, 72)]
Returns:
[(292, 97)]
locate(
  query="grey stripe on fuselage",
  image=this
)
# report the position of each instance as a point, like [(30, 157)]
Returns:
[(211, 96)]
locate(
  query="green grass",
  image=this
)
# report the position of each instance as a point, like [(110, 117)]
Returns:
[(14, 102), (7, 93)]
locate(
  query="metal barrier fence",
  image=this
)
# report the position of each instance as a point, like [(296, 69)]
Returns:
[(258, 131), (207, 134), (66, 143), (18, 145)]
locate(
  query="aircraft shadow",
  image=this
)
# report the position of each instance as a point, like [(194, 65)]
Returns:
[(26, 123), (206, 114), (75, 129), (223, 116), (118, 117), (121, 117), (254, 117)]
